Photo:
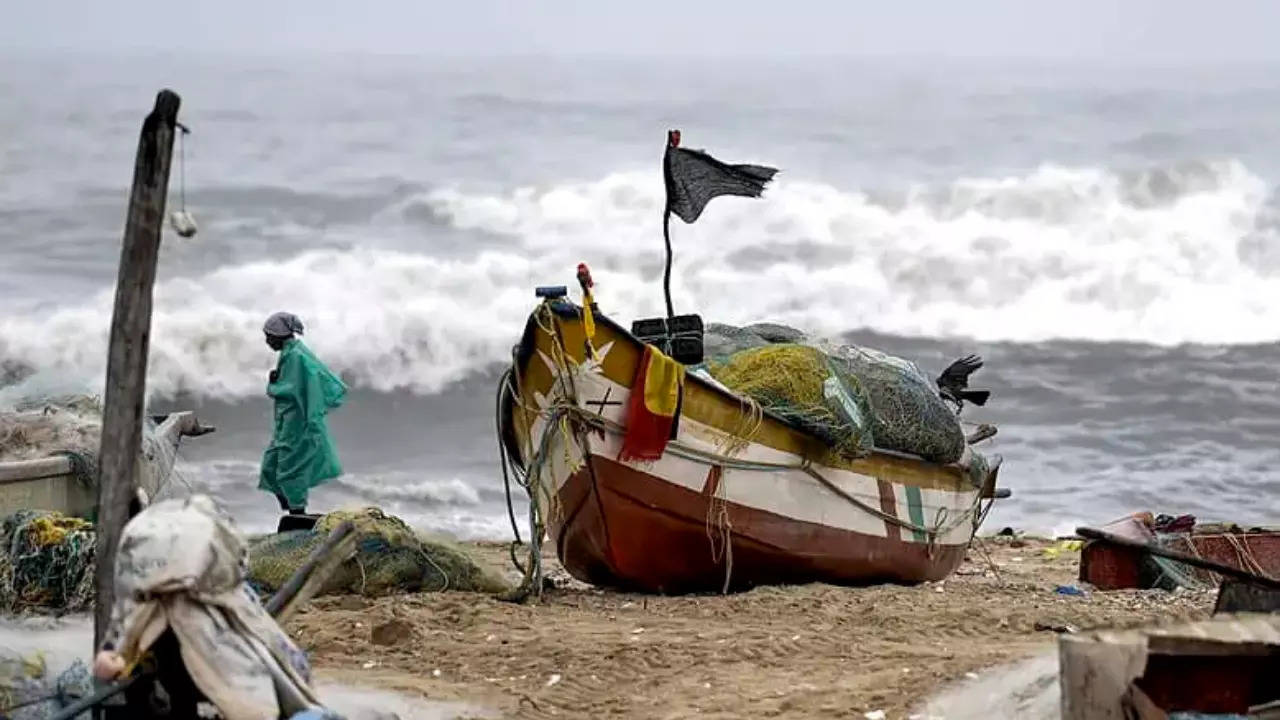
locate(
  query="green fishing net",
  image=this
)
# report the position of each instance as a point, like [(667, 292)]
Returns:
[(851, 397), (390, 557)]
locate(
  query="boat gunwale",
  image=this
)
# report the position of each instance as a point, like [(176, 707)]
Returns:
[(567, 309)]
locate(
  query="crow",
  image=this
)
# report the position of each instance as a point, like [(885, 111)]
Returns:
[(953, 383)]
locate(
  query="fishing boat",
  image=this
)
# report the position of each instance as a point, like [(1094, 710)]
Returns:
[(1221, 667), (739, 497), (64, 483), (1110, 565)]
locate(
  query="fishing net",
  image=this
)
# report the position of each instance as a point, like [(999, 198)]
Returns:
[(907, 414), (799, 384), (68, 425), (46, 562), (898, 407), (71, 425), (390, 557), (29, 691)]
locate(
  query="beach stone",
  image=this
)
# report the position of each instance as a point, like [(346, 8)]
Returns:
[(391, 632), (353, 602)]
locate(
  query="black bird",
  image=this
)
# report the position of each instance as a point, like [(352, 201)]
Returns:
[(953, 383)]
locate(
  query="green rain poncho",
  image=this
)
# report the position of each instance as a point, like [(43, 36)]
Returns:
[(301, 455)]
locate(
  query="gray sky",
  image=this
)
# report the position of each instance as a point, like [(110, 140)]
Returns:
[(1145, 30)]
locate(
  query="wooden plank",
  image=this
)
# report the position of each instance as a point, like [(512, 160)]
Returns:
[(130, 341), (307, 580), (23, 470)]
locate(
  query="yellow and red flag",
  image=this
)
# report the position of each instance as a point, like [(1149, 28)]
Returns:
[(653, 406)]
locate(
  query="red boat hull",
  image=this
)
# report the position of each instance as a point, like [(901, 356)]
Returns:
[(621, 527)]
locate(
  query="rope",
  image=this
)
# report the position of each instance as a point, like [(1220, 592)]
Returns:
[(565, 418), (504, 386), (718, 519), (1247, 560)]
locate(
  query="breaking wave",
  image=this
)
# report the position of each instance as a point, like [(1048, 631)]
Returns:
[(1182, 254)]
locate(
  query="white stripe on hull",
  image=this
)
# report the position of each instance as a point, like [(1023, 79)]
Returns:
[(791, 493)]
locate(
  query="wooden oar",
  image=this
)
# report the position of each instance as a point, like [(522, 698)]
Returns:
[(1192, 560), (296, 591)]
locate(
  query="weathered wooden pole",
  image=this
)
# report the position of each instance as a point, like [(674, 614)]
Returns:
[(130, 340)]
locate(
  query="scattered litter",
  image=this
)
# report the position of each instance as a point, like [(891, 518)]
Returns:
[(637, 631), (435, 673), (1054, 627), (971, 675), (706, 685), (795, 637), (1069, 590), (370, 664), (1064, 546), (939, 588), (874, 715), (488, 638), (555, 678)]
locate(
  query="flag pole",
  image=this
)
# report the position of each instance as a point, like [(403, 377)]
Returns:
[(666, 276)]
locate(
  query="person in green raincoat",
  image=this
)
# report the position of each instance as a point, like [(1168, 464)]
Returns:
[(301, 454)]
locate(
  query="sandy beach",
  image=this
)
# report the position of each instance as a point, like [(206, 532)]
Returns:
[(797, 652)]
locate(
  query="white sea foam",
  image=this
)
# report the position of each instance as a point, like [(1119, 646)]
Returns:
[(1168, 256)]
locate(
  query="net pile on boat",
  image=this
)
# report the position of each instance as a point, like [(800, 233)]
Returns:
[(390, 557), (46, 563), (851, 397), (68, 425), (36, 692), (71, 425)]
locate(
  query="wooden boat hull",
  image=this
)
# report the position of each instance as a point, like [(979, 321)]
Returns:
[(1107, 566), (779, 508), (55, 484), (626, 528)]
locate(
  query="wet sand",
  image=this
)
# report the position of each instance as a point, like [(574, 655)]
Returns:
[(811, 651)]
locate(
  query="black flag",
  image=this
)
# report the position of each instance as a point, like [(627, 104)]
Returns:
[(693, 178)]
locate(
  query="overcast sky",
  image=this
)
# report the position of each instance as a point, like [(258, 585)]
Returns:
[(1144, 30)]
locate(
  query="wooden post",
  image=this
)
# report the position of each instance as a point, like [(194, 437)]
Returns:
[(130, 340)]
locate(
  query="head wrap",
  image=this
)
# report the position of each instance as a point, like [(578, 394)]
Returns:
[(183, 565), (283, 325)]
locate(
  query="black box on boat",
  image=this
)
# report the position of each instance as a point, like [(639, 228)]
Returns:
[(681, 336)]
